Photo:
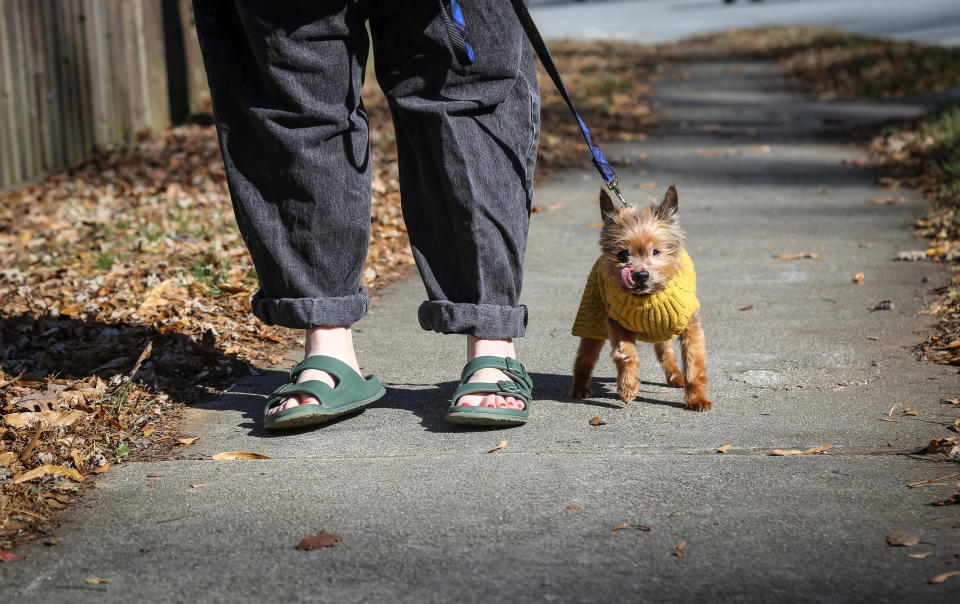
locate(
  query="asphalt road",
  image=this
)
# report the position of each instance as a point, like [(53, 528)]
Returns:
[(795, 358), (658, 21)]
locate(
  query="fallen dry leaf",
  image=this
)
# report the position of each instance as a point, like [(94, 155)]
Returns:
[(186, 442), (627, 525), (920, 555), (914, 485), (788, 452), (37, 401), (52, 542), (911, 255), (798, 256), (573, 506), (909, 411), (596, 421), (502, 444), (318, 541), (955, 500), (889, 201), (859, 278), (748, 307), (901, 539), (96, 580), (45, 418), (944, 576), (199, 485), (679, 550), (77, 458), (101, 469), (194, 515), (889, 419), (882, 305), (7, 458), (943, 446), (6, 556), (46, 470), (950, 401), (723, 450), (230, 455)]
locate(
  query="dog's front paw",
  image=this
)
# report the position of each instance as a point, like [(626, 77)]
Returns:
[(580, 391), (675, 380), (697, 401), (628, 387)]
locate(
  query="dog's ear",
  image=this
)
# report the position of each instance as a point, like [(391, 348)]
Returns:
[(668, 207), (607, 211)]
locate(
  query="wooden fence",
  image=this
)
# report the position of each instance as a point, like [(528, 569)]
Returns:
[(77, 75)]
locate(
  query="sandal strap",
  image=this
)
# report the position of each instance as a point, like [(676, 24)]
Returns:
[(315, 388), (511, 367), (503, 388), (335, 367)]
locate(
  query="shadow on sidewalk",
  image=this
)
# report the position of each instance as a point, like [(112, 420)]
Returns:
[(430, 402)]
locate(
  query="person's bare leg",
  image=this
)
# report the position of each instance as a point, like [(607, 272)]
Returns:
[(477, 347), (336, 342)]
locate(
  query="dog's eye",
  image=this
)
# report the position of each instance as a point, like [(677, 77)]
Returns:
[(656, 252), (623, 256)]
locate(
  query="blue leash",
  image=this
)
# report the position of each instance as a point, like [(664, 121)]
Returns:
[(456, 28)]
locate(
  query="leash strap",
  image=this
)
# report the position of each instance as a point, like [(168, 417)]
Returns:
[(457, 31), (533, 34)]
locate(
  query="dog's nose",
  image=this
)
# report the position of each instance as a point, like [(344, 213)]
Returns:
[(639, 277)]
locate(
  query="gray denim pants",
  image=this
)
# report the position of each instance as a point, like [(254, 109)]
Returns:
[(285, 79)]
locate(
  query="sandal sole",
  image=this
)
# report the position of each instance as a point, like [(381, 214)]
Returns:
[(476, 417), (303, 416)]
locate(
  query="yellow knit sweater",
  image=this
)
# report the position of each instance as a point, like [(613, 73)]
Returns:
[(656, 317)]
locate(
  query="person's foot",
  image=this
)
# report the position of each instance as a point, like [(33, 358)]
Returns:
[(336, 342), (498, 348)]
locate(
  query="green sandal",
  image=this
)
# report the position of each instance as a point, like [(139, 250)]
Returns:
[(520, 386), (351, 393)]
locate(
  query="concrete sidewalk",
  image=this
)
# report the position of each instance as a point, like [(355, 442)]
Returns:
[(426, 516)]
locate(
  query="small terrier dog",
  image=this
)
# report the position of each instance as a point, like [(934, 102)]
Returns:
[(643, 287)]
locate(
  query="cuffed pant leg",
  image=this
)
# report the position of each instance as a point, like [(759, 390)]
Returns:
[(285, 78), (466, 141)]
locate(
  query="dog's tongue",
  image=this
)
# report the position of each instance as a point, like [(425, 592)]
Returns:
[(627, 277)]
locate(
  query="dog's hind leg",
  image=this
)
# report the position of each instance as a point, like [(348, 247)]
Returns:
[(587, 354), (694, 349), (624, 354), (668, 361)]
